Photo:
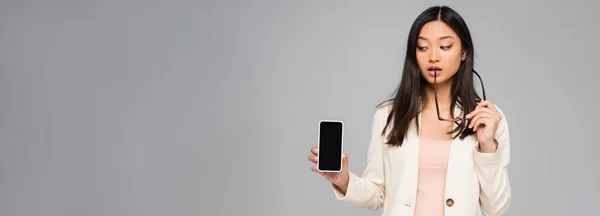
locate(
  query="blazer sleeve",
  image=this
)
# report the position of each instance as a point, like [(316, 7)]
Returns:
[(368, 190), (492, 171)]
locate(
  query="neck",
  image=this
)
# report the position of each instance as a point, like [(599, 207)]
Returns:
[(443, 96)]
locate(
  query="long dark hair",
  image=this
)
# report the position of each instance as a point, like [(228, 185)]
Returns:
[(410, 94)]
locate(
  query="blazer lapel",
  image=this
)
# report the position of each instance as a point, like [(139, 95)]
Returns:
[(411, 166), (453, 162)]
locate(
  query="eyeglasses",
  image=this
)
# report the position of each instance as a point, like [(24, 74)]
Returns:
[(457, 119)]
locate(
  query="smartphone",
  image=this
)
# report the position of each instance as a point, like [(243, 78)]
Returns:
[(330, 145)]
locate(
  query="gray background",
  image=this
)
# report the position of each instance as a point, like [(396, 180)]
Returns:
[(211, 107)]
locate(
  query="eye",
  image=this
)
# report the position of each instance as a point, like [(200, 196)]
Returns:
[(446, 47), (421, 48)]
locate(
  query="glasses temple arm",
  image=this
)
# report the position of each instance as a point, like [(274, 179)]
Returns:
[(480, 81)]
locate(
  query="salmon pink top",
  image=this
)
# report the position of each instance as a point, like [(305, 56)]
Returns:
[(433, 161)]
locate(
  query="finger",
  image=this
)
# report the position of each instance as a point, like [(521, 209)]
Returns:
[(478, 116), (481, 122), (473, 113), (488, 104), (476, 124), (313, 158), (314, 169), (480, 110), (315, 150), (483, 103), (489, 111)]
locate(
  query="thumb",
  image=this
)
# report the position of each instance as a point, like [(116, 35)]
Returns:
[(345, 160)]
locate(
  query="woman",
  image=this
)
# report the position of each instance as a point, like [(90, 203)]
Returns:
[(437, 148)]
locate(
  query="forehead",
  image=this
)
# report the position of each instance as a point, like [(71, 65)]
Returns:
[(437, 29)]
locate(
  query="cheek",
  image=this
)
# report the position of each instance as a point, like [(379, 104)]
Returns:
[(454, 59), (422, 59), (453, 55)]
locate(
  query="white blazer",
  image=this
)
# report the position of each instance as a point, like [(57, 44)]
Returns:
[(475, 181)]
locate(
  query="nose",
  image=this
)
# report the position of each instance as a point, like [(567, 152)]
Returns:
[(433, 56)]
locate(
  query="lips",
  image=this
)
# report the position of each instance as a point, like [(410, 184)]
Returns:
[(434, 68), (434, 71)]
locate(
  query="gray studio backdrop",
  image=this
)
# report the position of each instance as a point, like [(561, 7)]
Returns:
[(211, 107)]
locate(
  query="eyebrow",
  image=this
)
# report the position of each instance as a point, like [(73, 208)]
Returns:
[(441, 38)]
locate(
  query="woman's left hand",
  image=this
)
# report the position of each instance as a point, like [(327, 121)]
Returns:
[(484, 121)]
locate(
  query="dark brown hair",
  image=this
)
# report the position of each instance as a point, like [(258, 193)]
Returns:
[(410, 93)]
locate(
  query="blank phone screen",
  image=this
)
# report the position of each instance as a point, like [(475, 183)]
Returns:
[(330, 146)]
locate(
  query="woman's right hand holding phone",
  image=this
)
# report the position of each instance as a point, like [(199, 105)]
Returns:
[(339, 179)]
